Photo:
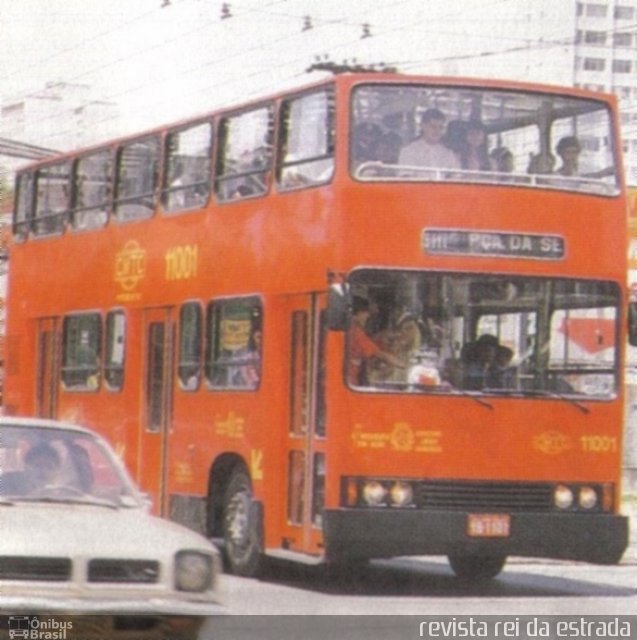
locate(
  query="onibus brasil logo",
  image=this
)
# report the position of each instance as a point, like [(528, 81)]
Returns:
[(38, 628)]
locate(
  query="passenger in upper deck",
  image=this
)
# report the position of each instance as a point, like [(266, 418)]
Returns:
[(568, 148), (502, 160), (388, 148), (177, 195), (455, 135), (366, 138), (428, 150), (541, 163), (385, 157), (473, 149)]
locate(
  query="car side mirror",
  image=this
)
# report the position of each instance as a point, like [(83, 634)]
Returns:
[(337, 307)]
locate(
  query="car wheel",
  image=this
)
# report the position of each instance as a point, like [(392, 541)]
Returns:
[(243, 539), (476, 568)]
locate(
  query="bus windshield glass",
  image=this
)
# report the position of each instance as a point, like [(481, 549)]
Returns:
[(462, 134), (415, 332)]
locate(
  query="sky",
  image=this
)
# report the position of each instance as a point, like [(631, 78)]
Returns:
[(167, 60)]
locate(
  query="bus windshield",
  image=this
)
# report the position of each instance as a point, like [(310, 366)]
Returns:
[(418, 332), (462, 134)]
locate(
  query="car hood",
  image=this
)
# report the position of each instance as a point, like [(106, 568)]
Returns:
[(51, 529)]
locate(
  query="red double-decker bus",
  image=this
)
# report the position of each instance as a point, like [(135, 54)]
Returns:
[(380, 315)]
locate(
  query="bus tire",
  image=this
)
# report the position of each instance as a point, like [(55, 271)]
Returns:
[(242, 527), (473, 568)]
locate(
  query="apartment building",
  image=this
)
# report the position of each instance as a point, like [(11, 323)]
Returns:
[(61, 116), (605, 59)]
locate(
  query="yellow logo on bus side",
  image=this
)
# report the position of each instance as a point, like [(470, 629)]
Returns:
[(552, 443), (130, 266), (401, 437), (231, 426)]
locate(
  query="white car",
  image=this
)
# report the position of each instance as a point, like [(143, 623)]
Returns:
[(76, 538)]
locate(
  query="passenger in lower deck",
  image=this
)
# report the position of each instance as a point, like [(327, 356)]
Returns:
[(487, 364)]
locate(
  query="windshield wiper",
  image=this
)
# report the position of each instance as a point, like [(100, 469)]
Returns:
[(476, 396), (554, 394)]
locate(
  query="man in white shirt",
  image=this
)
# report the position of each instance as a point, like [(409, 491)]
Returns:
[(428, 150)]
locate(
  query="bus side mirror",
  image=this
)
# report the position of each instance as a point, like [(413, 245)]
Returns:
[(337, 307), (632, 324)]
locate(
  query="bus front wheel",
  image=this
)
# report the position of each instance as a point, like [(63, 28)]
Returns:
[(475, 568), (242, 534)]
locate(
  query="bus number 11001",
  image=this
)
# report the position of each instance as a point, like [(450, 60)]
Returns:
[(181, 262), (599, 444)]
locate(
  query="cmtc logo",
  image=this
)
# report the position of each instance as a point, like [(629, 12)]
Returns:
[(38, 628), (552, 443), (130, 269)]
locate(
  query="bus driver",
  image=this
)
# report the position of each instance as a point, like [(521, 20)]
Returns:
[(363, 348)]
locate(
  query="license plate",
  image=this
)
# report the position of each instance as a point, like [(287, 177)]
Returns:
[(489, 525)]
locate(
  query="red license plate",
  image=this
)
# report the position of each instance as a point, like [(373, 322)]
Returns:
[(489, 525)]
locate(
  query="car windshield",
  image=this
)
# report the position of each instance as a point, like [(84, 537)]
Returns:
[(415, 332), (61, 465), (463, 134)]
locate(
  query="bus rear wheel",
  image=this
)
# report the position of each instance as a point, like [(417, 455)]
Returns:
[(475, 568), (243, 539)]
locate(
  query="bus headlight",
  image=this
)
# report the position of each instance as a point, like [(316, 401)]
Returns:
[(563, 497), (374, 493), (401, 494), (587, 498), (193, 571)]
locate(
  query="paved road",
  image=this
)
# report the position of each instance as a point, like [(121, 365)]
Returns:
[(406, 589)]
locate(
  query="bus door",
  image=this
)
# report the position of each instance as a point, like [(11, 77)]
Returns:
[(47, 380), (156, 415), (306, 461)]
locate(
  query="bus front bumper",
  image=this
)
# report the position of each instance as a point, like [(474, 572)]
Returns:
[(352, 534)]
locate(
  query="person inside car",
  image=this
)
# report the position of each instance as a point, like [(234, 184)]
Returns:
[(42, 467)]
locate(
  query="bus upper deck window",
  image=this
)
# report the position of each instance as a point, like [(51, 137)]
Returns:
[(52, 199), (187, 175), (481, 136), (93, 182), (307, 140), (23, 212), (137, 174), (244, 160)]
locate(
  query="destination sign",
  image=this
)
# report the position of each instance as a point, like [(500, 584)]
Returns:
[(493, 243)]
